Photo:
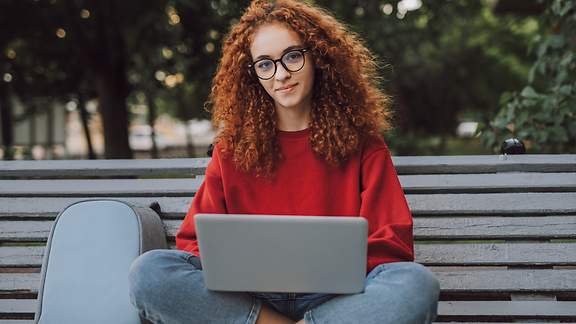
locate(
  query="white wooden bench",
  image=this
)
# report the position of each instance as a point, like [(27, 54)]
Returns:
[(498, 231)]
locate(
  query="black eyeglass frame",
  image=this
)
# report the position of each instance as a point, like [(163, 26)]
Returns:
[(303, 51)]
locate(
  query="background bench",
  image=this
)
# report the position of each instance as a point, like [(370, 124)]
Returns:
[(498, 231)]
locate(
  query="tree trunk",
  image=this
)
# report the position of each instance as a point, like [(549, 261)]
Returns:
[(151, 120), (6, 120), (111, 82), (84, 121), (189, 144), (112, 106), (49, 152), (31, 131)]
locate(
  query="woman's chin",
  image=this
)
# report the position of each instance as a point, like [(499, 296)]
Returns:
[(288, 104)]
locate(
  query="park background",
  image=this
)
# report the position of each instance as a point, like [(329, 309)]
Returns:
[(129, 79)]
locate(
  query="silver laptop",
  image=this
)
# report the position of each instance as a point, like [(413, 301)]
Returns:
[(297, 254)]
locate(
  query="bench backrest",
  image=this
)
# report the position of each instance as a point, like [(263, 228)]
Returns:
[(495, 229)]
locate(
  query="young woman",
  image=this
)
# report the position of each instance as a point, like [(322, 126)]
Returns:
[(299, 115)]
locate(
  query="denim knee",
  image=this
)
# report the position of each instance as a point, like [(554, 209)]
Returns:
[(423, 281), (140, 272), (147, 273)]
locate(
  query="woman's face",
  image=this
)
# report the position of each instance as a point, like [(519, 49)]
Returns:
[(290, 90)]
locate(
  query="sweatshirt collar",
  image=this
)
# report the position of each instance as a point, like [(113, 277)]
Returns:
[(294, 134)]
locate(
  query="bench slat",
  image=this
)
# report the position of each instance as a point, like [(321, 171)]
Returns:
[(17, 306), (44, 207), (507, 308), (496, 254), (547, 227), (186, 166), (542, 280), (493, 204), (441, 204), (427, 254), (104, 168), (486, 183), (21, 256), (99, 187), (425, 228), (497, 280), (445, 308), (19, 282), (478, 228), (507, 182), (485, 163)]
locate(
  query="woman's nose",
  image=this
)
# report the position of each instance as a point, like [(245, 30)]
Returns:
[(281, 72)]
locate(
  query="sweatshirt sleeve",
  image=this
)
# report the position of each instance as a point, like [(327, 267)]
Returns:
[(384, 205), (208, 199)]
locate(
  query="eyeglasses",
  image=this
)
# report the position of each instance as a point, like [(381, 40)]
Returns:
[(292, 61)]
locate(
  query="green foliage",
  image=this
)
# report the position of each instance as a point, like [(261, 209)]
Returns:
[(443, 59), (439, 62), (543, 113)]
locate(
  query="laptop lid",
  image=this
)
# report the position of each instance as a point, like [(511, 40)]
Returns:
[(271, 253)]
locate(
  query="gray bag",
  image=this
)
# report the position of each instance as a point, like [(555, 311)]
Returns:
[(85, 269)]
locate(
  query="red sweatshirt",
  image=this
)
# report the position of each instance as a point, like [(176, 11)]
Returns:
[(367, 186)]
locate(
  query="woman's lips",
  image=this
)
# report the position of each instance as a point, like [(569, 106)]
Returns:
[(286, 90)]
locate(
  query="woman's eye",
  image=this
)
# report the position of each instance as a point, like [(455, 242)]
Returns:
[(263, 65), (293, 56)]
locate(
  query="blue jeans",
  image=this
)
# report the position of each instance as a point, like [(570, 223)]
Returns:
[(167, 286)]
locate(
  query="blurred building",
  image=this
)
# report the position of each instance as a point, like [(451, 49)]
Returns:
[(57, 133)]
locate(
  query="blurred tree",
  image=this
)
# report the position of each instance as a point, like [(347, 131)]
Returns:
[(543, 113), (109, 49), (173, 74), (440, 59), (32, 72), (83, 42), (104, 35), (203, 26)]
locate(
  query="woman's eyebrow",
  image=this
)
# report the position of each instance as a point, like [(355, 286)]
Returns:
[(284, 51)]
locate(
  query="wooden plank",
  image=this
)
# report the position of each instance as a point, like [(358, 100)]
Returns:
[(520, 280), (17, 306), (528, 254), (25, 231), (507, 308), (478, 183), (488, 183), (425, 228), (38, 207), (104, 168), (19, 282), (453, 281), (21, 256), (404, 165), (478, 228), (441, 205), (493, 204), (485, 163), (445, 308), (496, 254), (481, 228), (543, 227), (100, 187)]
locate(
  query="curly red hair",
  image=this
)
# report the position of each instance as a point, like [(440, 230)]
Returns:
[(347, 104)]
